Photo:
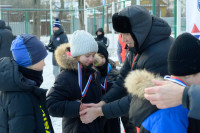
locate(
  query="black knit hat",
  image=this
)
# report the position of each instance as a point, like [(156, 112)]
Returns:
[(184, 55), (102, 49)]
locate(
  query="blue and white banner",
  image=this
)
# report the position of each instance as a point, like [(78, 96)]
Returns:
[(193, 17), (103, 2)]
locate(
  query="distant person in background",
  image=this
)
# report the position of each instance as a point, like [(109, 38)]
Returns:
[(101, 38), (59, 37), (6, 38), (121, 50)]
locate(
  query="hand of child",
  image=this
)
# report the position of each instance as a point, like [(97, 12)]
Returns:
[(82, 107)]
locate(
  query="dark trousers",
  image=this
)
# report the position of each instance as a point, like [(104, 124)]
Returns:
[(112, 125), (128, 127)]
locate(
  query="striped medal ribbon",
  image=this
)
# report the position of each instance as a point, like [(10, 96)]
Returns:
[(104, 87), (175, 80), (83, 92)]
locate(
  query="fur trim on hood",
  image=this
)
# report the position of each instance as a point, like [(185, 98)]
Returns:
[(64, 60), (138, 80)]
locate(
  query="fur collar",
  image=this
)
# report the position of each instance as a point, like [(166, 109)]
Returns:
[(138, 80), (64, 60)]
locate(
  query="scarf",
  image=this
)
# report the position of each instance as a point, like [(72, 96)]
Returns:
[(32, 75)]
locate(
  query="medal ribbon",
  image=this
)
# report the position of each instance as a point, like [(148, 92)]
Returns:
[(83, 92), (104, 87), (175, 80)]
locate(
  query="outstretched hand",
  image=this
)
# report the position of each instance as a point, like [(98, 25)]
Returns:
[(165, 94)]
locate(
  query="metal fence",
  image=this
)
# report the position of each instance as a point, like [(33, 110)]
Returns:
[(21, 20)]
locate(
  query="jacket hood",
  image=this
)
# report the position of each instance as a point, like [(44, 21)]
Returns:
[(138, 80), (101, 30), (140, 108), (63, 58), (2, 24), (144, 28), (11, 79)]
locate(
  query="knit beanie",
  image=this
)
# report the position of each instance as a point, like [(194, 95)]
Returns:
[(102, 49), (56, 23), (27, 50), (81, 43), (184, 55)]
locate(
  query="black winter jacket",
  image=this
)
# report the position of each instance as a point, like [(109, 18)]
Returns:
[(64, 97), (59, 37), (151, 47), (6, 38), (22, 104)]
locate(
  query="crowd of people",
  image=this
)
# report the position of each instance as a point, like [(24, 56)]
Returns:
[(157, 89)]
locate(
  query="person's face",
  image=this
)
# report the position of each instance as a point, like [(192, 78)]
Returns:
[(55, 29), (102, 60), (99, 33), (38, 66), (87, 59), (127, 38)]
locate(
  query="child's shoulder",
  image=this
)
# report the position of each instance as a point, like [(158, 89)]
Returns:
[(67, 74), (163, 118)]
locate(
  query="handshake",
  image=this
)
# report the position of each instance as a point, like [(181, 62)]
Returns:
[(89, 112)]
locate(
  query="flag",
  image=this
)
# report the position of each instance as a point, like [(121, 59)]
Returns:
[(193, 17)]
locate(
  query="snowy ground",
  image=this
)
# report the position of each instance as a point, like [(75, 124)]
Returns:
[(49, 79)]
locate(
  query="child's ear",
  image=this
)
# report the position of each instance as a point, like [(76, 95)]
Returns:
[(97, 59)]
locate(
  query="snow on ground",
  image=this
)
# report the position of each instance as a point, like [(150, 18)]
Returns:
[(49, 78)]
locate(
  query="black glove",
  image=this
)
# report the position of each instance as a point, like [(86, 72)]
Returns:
[(50, 47)]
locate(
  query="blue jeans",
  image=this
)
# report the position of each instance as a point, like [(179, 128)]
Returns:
[(56, 70)]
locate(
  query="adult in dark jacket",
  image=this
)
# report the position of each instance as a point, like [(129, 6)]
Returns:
[(67, 96), (59, 37), (22, 102), (6, 38), (101, 38), (148, 39)]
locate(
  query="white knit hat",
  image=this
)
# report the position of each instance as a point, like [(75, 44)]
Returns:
[(81, 43)]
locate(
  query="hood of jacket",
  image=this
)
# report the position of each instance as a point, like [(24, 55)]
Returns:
[(11, 79), (101, 30), (140, 108), (63, 58), (145, 28), (136, 82), (2, 24)]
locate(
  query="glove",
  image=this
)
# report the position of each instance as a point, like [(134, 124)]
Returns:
[(51, 48)]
